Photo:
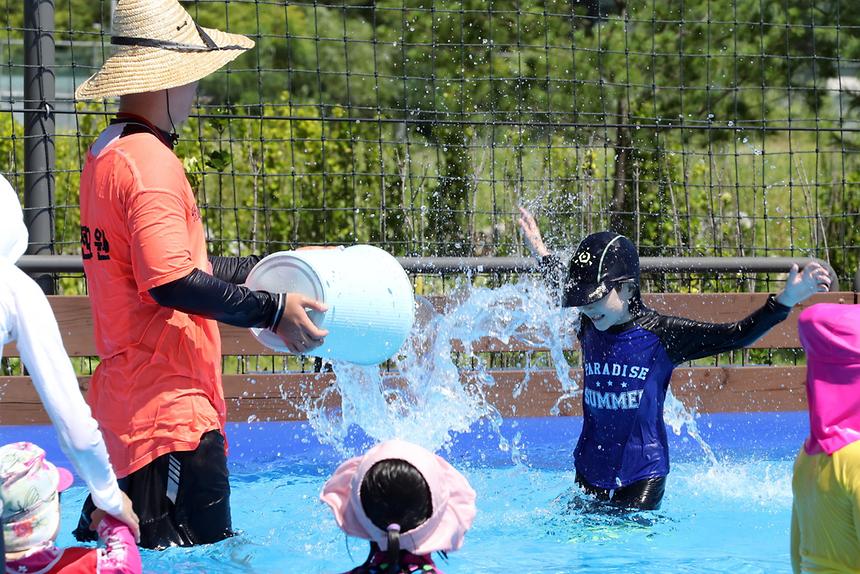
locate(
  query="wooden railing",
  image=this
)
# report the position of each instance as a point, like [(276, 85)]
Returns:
[(279, 396)]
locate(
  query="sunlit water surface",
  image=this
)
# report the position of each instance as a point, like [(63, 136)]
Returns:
[(730, 516)]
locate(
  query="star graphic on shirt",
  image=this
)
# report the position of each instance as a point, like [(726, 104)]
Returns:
[(623, 385), (597, 384), (609, 383)]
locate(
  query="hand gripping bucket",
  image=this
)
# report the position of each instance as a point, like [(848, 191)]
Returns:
[(371, 306)]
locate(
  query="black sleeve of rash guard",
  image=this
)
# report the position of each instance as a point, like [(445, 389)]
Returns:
[(233, 269), (199, 293), (686, 339)]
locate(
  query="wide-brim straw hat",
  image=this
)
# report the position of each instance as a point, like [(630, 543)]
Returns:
[(159, 46)]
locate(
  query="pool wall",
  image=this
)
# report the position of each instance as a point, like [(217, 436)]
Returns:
[(541, 442)]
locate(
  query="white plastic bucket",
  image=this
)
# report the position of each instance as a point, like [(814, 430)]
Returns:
[(371, 305)]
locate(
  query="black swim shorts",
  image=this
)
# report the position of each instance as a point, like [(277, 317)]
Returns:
[(181, 498), (646, 494)]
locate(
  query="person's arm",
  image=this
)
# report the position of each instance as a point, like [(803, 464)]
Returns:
[(120, 554), (553, 272), (163, 267), (199, 293), (531, 234), (233, 269), (686, 340), (44, 355), (550, 266)]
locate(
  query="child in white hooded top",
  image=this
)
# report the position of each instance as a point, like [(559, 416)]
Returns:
[(27, 319)]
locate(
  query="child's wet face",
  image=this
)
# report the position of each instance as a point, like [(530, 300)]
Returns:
[(611, 310)]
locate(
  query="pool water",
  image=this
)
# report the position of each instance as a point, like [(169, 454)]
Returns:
[(728, 516)]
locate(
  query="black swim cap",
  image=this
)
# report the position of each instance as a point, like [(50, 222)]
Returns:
[(601, 261)]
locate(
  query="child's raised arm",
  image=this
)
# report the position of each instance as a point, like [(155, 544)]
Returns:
[(550, 266), (531, 234), (686, 339)]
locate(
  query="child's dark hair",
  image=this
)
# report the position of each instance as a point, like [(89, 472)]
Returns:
[(636, 305), (393, 492)]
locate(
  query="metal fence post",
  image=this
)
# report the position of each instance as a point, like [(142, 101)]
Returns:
[(39, 151)]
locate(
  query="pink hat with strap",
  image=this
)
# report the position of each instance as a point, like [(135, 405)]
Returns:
[(830, 335), (453, 500)]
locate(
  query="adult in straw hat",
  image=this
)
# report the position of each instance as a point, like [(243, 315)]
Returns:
[(155, 293)]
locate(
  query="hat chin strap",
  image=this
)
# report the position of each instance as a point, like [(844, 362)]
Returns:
[(174, 137)]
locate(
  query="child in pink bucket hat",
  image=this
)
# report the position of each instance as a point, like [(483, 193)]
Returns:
[(826, 481), (406, 500), (29, 490)]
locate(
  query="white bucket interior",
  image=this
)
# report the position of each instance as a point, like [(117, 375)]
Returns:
[(370, 299)]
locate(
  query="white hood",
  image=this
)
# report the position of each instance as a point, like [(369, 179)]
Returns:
[(13, 232)]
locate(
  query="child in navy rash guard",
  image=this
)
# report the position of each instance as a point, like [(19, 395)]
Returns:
[(629, 353)]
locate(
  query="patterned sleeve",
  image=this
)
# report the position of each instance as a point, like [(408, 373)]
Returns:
[(120, 554)]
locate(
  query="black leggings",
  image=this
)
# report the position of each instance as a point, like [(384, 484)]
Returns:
[(182, 498), (645, 494)]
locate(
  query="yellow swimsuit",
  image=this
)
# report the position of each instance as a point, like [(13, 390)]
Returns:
[(825, 517)]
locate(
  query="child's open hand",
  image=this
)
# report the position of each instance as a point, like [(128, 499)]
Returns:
[(531, 234), (801, 285)]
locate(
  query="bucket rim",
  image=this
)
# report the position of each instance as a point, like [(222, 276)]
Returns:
[(307, 268)]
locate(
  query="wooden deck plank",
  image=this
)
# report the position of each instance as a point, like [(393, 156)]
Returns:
[(280, 396), (76, 325)]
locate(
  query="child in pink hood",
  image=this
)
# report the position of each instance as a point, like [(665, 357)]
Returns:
[(825, 518), (407, 501), (29, 490)]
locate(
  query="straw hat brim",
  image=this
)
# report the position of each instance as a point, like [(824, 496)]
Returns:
[(138, 69)]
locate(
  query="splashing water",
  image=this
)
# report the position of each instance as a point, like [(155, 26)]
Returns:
[(679, 417), (429, 396)]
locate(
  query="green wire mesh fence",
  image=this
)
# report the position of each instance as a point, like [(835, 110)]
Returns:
[(717, 127)]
